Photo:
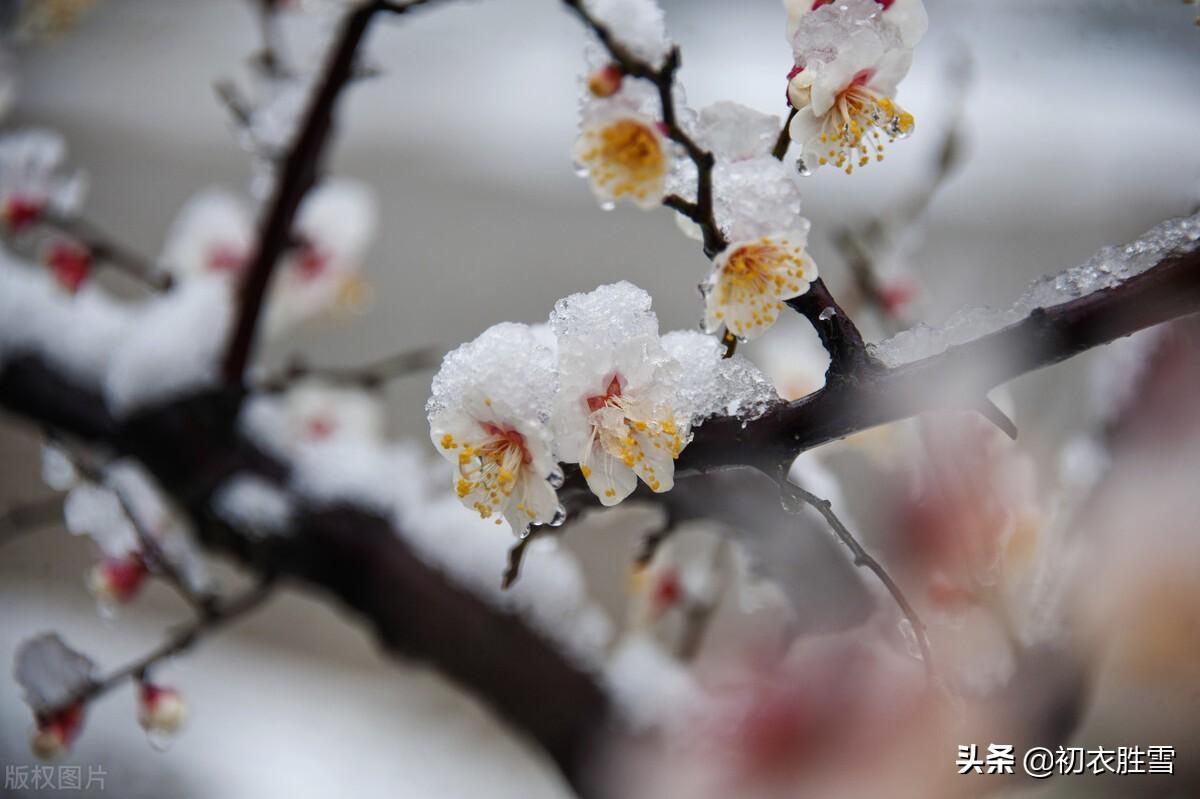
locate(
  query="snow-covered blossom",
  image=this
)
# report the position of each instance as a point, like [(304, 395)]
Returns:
[(214, 234), (751, 280), (625, 156), (33, 179), (489, 415), (850, 58), (161, 709), (616, 411), (53, 676)]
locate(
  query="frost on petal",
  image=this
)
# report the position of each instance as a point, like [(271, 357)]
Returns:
[(51, 674), (172, 348), (625, 156), (734, 132), (638, 25), (489, 414), (212, 234), (711, 384), (752, 279), (617, 394)]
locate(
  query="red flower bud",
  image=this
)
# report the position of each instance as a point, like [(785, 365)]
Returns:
[(160, 709), (117, 580), (70, 263), (605, 81), (19, 213), (56, 733)]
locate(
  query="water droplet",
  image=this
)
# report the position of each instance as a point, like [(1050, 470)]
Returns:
[(581, 171), (555, 478), (910, 638), (159, 741), (827, 314), (560, 516), (607, 205), (803, 168), (705, 288)]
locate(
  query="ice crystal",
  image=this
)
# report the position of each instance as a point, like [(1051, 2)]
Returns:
[(638, 25), (711, 384), (1107, 269)]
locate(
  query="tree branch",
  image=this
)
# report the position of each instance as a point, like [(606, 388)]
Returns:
[(299, 173)]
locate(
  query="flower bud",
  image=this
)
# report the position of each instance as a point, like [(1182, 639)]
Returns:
[(160, 709), (56, 733), (70, 263), (117, 580), (19, 213), (605, 81)]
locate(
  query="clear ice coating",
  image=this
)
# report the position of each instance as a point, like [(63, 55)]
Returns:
[(639, 26), (51, 673), (734, 132), (712, 385), (828, 32), (1106, 269)]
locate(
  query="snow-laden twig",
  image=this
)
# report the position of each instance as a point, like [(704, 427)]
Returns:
[(663, 78)]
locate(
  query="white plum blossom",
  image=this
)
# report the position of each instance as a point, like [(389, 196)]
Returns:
[(625, 156), (33, 179), (616, 413), (489, 415), (317, 411), (214, 234), (850, 58), (751, 280)]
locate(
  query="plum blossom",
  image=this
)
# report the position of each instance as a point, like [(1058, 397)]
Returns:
[(751, 280), (160, 709), (489, 416), (850, 58), (214, 234), (625, 156), (53, 676), (33, 179), (616, 413)]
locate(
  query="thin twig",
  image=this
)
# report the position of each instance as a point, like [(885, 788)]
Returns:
[(372, 375), (663, 78), (105, 249), (779, 151), (298, 175), (863, 559), (181, 641)]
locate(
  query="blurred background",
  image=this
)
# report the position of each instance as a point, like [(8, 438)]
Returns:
[(1080, 125)]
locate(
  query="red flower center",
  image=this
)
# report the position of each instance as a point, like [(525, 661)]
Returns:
[(598, 401)]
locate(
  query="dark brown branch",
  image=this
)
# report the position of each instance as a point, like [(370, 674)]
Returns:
[(779, 151), (838, 333), (298, 174), (663, 78)]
